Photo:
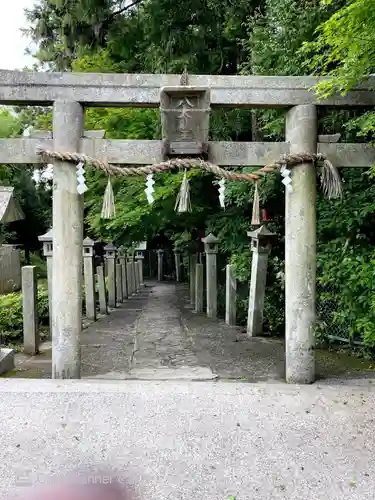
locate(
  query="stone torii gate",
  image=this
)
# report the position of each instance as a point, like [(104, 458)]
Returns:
[(70, 93)]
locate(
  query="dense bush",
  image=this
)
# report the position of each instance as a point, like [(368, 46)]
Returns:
[(11, 322)]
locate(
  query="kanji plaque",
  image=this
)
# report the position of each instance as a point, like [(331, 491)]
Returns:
[(185, 115)]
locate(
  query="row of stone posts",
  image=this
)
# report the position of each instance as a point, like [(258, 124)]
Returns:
[(119, 279), (124, 275), (261, 240)]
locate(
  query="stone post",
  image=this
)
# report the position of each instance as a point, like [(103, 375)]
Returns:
[(177, 261), (102, 290), (199, 288), (110, 255), (139, 261), (300, 249), (160, 253), (46, 239), (211, 246), (130, 277), (135, 274), (67, 208), (230, 296), (119, 291), (260, 247), (192, 269), (88, 271), (30, 310), (122, 261)]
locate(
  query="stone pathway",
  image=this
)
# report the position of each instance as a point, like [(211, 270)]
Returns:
[(155, 335)]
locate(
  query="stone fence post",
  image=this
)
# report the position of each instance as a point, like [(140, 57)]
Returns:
[(88, 270), (139, 261), (122, 262), (192, 270), (199, 269), (160, 253), (30, 310), (110, 255), (100, 277), (119, 285), (230, 296), (130, 276), (135, 273), (211, 246), (46, 239), (177, 262), (260, 247)]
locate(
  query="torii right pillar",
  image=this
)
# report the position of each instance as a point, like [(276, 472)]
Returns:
[(300, 249)]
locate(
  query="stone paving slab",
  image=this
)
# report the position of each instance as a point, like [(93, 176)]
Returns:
[(190, 441)]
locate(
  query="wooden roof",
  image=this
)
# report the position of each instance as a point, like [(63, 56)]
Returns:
[(10, 209)]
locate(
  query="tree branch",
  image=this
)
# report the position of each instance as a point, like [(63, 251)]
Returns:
[(135, 2)]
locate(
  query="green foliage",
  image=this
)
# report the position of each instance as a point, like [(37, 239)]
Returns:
[(10, 125), (11, 321), (344, 47), (347, 278)]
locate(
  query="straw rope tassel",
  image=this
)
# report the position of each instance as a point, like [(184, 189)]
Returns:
[(255, 219), (183, 203), (108, 208)]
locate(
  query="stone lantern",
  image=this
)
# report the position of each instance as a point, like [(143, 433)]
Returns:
[(88, 247), (261, 244), (139, 249), (211, 244), (89, 276), (261, 240), (211, 247), (110, 251), (47, 240)]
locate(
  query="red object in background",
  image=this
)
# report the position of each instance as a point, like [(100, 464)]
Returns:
[(264, 215)]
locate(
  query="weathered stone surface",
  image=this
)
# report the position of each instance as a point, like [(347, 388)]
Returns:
[(137, 90), (88, 272), (192, 271), (221, 153), (110, 256), (199, 287), (6, 359), (211, 248), (67, 244), (230, 296), (119, 286), (160, 253), (300, 250), (100, 279), (30, 310)]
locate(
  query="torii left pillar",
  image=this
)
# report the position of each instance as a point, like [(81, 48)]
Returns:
[(300, 249), (67, 245)]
